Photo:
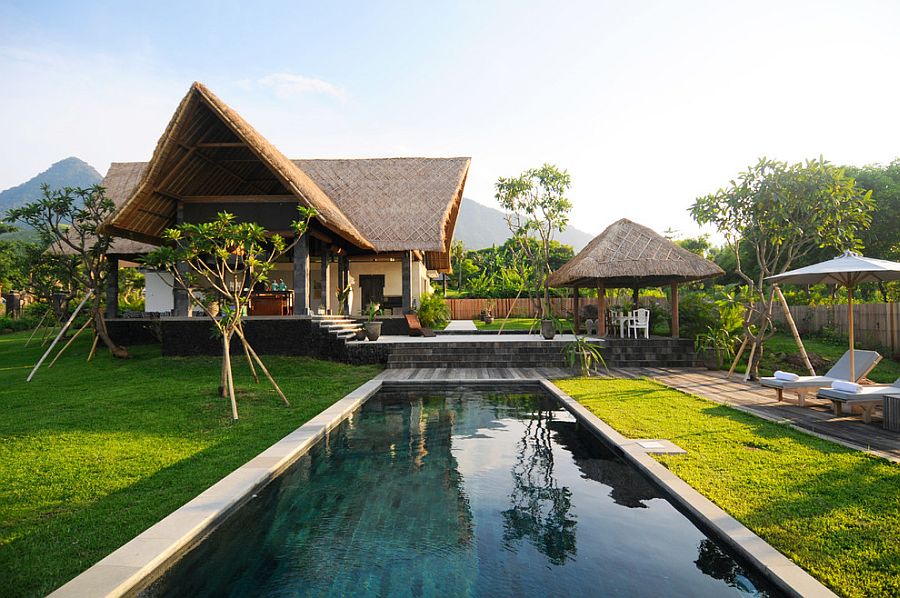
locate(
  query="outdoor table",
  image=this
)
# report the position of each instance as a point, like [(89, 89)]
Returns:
[(622, 320)]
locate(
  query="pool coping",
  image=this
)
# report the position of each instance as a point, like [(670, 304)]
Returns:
[(775, 567), (128, 568)]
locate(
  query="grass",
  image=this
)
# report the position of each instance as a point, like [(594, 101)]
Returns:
[(782, 345), (93, 454), (832, 510), (516, 324)]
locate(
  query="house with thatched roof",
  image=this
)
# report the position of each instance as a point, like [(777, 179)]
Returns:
[(384, 226)]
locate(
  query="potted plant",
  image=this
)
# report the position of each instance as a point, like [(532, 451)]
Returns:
[(487, 315), (716, 344), (584, 355), (372, 326)]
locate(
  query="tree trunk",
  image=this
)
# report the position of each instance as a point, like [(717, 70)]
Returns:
[(229, 378), (103, 333)]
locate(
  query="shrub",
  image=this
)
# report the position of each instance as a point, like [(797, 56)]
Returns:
[(433, 311)]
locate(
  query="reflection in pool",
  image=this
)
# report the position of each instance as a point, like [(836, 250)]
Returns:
[(459, 493)]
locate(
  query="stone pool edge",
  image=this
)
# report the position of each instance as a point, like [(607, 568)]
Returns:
[(128, 567), (777, 568)]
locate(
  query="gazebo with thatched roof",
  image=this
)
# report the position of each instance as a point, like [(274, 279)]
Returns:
[(629, 255)]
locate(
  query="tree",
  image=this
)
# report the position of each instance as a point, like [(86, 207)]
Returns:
[(229, 259), (457, 255), (68, 221), (782, 212), (536, 207)]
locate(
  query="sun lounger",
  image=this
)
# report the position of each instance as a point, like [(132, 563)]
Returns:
[(416, 328), (806, 385), (867, 398)]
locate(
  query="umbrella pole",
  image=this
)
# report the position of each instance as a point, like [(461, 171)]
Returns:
[(850, 331)]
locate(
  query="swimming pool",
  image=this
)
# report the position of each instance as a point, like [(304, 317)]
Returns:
[(459, 493)]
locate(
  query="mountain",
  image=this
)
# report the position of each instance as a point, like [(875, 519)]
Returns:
[(70, 172), (479, 226)]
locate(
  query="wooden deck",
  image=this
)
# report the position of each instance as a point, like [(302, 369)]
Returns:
[(816, 417), (457, 374)]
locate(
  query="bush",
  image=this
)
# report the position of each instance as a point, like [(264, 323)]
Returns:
[(8, 324), (433, 311)]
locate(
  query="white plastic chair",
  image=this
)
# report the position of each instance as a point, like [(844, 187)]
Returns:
[(640, 319)]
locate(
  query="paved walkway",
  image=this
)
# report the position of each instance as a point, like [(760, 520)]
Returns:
[(816, 417), (461, 326)]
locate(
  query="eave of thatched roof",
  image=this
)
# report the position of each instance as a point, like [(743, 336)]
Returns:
[(628, 254), (183, 162)]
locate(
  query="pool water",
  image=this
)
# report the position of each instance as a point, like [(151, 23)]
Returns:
[(459, 493)]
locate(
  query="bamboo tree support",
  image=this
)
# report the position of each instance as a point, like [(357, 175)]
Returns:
[(790, 320), (38, 327), (737, 357), (750, 362), (509, 311), (61, 332), (71, 340), (262, 366), (249, 361), (93, 346)]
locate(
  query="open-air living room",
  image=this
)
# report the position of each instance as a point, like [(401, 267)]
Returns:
[(449, 302)]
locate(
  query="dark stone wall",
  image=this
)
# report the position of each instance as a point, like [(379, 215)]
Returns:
[(197, 336)]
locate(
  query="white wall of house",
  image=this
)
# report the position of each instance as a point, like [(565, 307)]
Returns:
[(393, 280), (158, 292)]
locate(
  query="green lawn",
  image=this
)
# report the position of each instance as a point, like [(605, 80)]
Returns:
[(515, 324), (833, 510), (93, 454), (782, 345)]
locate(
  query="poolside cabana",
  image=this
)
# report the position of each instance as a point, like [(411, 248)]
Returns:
[(631, 256)]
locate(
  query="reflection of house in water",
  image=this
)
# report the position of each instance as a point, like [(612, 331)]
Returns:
[(627, 487)]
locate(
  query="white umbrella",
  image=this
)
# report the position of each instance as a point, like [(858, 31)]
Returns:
[(849, 270)]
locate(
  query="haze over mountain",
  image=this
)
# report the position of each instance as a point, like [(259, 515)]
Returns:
[(70, 172), (480, 226)]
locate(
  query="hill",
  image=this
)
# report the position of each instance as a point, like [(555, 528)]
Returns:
[(70, 172), (480, 226)]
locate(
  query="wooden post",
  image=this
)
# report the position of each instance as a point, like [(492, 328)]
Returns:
[(406, 267), (576, 317), (676, 324), (601, 309), (790, 320), (850, 332), (301, 276), (635, 298), (112, 287), (326, 256), (180, 302)]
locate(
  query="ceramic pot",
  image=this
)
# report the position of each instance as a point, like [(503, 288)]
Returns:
[(373, 330), (548, 330)]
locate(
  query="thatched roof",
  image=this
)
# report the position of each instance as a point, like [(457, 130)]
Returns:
[(209, 149), (630, 255), (390, 204)]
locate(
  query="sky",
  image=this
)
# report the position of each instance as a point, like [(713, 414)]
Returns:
[(648, 105)]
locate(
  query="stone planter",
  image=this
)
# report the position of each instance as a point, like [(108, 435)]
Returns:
[(712, 359), (361, 334), (373, 330), (548, 330), (488, 319)]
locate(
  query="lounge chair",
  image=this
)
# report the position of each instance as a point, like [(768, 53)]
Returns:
[(866, 397), (805, 385), (416, 328)]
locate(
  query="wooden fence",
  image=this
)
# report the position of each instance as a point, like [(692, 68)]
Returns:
[(468, 309), (875, 325)]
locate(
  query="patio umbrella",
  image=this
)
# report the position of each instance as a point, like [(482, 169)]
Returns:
[(849, 270)]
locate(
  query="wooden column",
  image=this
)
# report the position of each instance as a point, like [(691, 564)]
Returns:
[(635, 298), (344, 262), (601, 308), (576, 316), (181, 305), (325, 296), (406, 266), (676, 330), (301, 277), (112, 287)]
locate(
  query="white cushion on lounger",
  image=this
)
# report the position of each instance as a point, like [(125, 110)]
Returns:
[(788, 376), (845, 386)]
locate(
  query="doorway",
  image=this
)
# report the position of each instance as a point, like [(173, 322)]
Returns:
[(371, 288)]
